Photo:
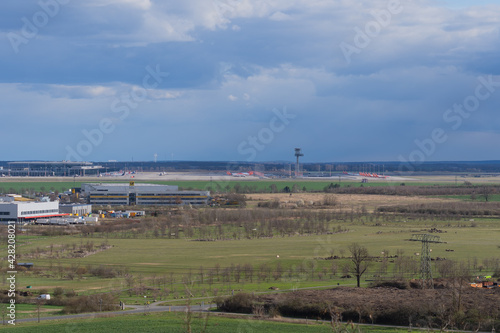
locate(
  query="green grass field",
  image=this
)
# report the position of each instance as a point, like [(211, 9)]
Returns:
[(149, 257), (257, 185), (31, 310), (175, 322)]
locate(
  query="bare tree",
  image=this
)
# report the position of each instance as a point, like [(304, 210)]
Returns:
[(486, 192), (461, 275), (359, 260)]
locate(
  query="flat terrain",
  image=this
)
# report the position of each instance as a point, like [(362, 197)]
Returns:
[(149, 257), (176, 323), (222, 176), (300, 243), (345, 201), (220, 182)]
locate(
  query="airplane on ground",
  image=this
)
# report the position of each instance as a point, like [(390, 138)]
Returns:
[(240, 174), (366, 174), (117, 173)]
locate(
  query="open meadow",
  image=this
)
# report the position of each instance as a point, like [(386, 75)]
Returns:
[(272, 242), (176, 322), (220, 181), (148, 257)]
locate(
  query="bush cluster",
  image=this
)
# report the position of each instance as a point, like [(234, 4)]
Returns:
[(394, 304), (92, 303)]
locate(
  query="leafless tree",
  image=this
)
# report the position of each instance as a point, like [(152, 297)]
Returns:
[(486, 192), (461, 275), (359, 261)]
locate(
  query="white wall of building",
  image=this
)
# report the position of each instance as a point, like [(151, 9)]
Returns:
[(76, 209), (27, 210)]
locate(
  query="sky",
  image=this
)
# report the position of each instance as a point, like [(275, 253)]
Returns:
[(250, 80)]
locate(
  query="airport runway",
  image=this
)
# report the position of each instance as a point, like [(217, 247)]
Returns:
[(222, 177)]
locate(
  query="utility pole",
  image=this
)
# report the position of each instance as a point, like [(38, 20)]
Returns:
[(38, 305)]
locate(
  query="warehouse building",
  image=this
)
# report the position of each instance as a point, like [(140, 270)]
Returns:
[(76, 209), (142, 194), (26, 211)]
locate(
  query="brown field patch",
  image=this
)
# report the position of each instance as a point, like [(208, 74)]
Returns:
[(345, 201)]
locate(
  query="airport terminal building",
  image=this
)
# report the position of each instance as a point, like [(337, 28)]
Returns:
[(141, 194), (46, 169)]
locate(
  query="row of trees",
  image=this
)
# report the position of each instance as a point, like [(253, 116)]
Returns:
[(446, 209), (474, 192), (220, 224), (60, 251)]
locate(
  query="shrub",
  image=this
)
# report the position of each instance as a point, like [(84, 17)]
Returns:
[(330, 200), (58, 301), (269, 204), (295, 307), (58, 292), (70, 293), (92, 303), (219, 301), (103, 271), (398, 284), (241, 303), (400, 316)]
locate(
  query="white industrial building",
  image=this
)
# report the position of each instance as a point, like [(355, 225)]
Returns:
[(76, 209), (141, 194), (68, 220), (24, 211)]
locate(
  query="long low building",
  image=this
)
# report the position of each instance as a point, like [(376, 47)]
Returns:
[(141, 194), (21, 211), (45, 169)]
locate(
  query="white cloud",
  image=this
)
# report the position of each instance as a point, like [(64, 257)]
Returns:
[(280, 16), (72, 92), (164, 94), (141, 4), (57, 91), (158, 27)]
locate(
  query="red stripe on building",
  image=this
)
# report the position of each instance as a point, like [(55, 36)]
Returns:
[(42, 216)]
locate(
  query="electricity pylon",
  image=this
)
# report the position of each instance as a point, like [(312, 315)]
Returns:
[(425, 258)]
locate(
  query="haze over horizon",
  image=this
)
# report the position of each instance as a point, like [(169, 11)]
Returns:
[(242, 80)]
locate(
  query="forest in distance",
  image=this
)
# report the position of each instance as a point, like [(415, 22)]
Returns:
[(444, 167)]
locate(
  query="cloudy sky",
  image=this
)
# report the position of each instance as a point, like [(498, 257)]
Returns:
[(249, 80)]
